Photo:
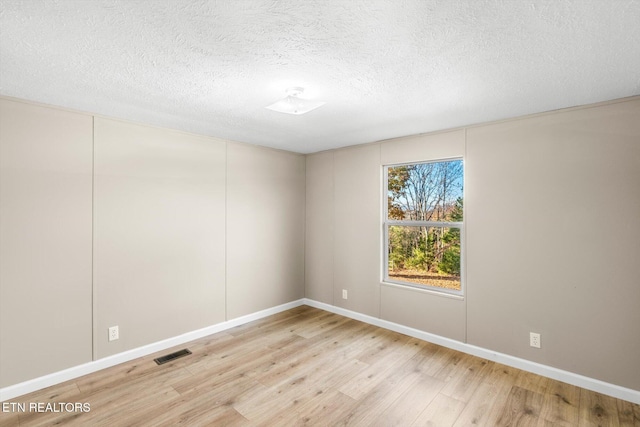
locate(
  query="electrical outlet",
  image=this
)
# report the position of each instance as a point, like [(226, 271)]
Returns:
[(534, 339), (114, 334), (344, 294)]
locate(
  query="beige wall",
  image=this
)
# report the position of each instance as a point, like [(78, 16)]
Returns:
[(553, 233), (159, 233), (188, 231), (319, 228), (45, 240), (265, 228), (356, 238), (344, 215), (343, 218), (552, 204)]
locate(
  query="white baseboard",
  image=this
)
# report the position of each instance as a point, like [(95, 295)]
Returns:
[(35, 384), (39, 383), (526, 365)]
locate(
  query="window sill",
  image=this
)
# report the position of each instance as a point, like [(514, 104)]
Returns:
[(422, 290)]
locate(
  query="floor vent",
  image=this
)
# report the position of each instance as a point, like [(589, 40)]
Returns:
[(172, 356)]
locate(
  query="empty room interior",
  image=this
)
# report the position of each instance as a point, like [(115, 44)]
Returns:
[(376, 213)]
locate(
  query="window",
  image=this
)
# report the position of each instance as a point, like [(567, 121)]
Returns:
[(423, 225)]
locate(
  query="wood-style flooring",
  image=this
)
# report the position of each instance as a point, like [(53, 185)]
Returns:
[(306, 366)]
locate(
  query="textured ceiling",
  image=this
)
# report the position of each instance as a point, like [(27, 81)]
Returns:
[(385, 68)]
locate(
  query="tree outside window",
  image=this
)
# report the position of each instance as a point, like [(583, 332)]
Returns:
[(423, 224)]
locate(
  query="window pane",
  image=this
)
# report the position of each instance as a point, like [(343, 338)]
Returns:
[(425, 191), (424, 256)]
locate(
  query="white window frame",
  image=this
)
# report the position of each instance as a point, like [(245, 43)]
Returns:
[(411, 223)]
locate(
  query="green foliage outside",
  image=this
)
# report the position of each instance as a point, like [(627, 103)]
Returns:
[(425, 192)]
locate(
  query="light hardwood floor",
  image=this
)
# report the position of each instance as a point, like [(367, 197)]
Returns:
[(309, 367)]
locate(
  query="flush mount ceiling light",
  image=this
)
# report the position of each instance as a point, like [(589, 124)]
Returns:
[(293, 104)]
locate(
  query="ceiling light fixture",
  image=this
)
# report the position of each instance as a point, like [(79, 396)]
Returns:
[(293, 104)]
